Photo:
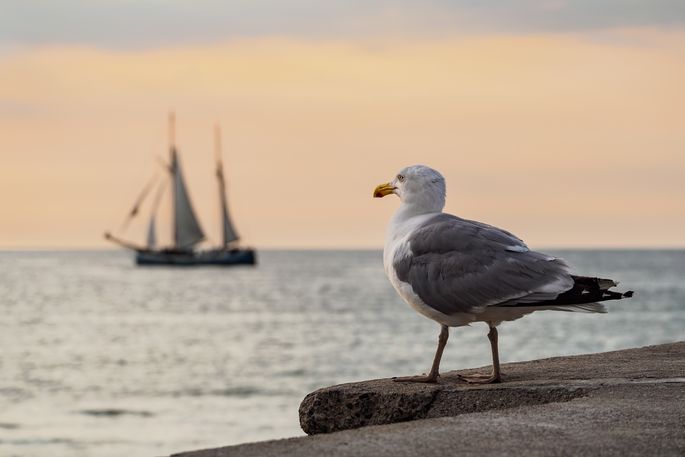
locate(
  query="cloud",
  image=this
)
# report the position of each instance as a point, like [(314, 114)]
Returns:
[(159, 23)]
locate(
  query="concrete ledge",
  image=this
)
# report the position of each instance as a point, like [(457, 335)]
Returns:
[(558, 379), (623, 403)]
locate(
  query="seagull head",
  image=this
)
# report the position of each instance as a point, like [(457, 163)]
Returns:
[(418, 186)]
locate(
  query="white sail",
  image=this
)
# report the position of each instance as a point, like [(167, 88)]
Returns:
[(187, 230), (228, 231), (151, 234)]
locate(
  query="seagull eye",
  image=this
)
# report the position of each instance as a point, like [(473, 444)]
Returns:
[(400, 178)]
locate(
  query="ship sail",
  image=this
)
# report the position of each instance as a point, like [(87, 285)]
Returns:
[(228, 231), (151, 234), (152, 226), (187, 230), (139, 201)]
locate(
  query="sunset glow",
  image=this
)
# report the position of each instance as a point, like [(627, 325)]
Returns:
[(565, 139)]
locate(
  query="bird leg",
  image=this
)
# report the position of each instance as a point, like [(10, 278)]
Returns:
[(433, 375), (496, 376)]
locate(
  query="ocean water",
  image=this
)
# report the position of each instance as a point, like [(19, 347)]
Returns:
[(102, 358)]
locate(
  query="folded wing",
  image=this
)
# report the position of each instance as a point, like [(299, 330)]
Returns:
[(460, 266)]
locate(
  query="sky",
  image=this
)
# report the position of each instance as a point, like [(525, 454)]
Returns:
[(563, 122)]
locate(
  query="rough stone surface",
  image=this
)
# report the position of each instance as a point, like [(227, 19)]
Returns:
[(624, 403), (558, 379)]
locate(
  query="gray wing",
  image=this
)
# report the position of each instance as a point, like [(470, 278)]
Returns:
[(460, 266)]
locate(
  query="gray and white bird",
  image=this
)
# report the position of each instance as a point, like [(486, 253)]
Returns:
[(456, 271)]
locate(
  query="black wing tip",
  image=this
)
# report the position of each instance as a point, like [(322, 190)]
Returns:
[(628, 294)]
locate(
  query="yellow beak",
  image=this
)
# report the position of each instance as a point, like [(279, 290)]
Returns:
[(383, 190)]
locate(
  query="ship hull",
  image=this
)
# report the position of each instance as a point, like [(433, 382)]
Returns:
[(216, 257)]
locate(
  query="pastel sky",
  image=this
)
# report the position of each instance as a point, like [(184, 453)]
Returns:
[(563, 122)]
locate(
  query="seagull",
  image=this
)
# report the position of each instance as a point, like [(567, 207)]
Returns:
[(457, 271)]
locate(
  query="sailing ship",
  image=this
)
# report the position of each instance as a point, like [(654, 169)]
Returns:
[(187, 232)]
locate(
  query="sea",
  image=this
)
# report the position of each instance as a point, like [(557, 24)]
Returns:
[(99, 357)]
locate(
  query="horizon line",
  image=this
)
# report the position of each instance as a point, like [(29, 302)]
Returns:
[(10, 249)]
